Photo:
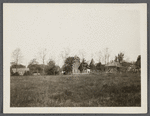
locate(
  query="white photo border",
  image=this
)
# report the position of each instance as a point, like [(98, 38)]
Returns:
[(142, 7)]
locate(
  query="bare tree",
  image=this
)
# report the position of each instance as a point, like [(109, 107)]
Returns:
[(82, 54), (116, 58), (33, 61), (17, 57), (50, 58), (106, 55), (42, 55), (64, 54), (99, 56), (103, 59)]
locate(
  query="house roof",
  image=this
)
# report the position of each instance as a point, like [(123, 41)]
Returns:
[(133, 66), (21, 69), (114, 64)]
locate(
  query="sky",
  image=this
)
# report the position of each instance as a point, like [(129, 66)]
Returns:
[(87, 28)]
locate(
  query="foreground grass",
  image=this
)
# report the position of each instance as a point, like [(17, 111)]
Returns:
[(100, 90)]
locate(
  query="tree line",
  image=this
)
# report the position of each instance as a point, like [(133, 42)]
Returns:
[(50, 68)]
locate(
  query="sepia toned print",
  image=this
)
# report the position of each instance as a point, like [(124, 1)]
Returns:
[(116, 83), (70, 56)]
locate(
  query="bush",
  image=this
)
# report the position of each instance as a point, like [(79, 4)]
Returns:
[(11, 72), (15, 74), (26, 73)]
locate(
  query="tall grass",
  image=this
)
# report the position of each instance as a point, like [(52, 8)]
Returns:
[(76, 91)]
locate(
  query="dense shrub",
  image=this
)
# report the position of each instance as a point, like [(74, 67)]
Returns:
[(52, 68), (27, 73), (11, 72), (15, 74)]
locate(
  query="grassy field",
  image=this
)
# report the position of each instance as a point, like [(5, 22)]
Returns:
[(96, 90)]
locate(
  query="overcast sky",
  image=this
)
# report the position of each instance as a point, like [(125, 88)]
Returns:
[(79, 27)]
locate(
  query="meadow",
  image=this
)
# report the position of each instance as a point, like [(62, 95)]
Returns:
[(88, 90)]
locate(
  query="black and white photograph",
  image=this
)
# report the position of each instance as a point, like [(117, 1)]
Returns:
[(79, 56)]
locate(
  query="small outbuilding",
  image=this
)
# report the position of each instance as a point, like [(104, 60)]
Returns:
[(113, 67), (21, 71)]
